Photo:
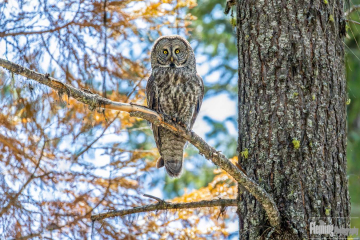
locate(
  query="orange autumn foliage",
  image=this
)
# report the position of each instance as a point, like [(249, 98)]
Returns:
[(62, 162)]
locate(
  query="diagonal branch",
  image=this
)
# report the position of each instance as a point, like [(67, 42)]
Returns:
[(351, 10), (85, 96), (95, 101), (153, 197), (352, 21), (165, 206)]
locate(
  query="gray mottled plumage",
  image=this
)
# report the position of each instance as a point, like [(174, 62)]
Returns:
[(175, 90)]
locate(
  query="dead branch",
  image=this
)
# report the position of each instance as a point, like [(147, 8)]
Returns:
[(352, 21), (351, 10), (153, 197), (165, 206), (7, 34), (32, 176), (95, 101)]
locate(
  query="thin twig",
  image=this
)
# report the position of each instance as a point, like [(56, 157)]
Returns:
[(133, 90), (95, 101), (153, 197), (352, 21), (32, 176), (95, 140), (5, 34), (165, 206), (351, 10)]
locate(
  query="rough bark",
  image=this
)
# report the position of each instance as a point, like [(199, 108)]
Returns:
[(292, 114)]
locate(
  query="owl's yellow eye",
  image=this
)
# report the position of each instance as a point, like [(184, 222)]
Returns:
[(165, 52), (177, 51)]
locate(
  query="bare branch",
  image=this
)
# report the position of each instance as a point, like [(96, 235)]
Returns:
[(32, 176), (352, 21), (220, 160), (153, 197), (351, 10), (165, 206), (95, 140), (5, 34), (95, 101)]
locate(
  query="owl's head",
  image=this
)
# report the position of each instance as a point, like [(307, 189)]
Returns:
[(172, 52)]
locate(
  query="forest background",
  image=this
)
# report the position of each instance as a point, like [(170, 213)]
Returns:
[(61, 162)]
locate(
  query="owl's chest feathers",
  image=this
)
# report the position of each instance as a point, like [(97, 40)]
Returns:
[(176, 93)]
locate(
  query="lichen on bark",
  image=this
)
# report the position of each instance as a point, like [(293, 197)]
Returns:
[(292, 113)]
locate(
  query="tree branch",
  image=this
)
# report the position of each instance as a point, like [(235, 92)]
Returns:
[(32, 176), (351, 10), (85, 96), (95, 101), (5, 34), (352, 21), (165, 206), (153, 197)]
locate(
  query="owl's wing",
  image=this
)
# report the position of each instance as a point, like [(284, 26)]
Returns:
[(150, 93), (199, 100), (152, 102)]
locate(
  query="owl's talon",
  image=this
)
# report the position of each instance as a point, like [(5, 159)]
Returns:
[(183, 125), (179, 122), (166, 118)]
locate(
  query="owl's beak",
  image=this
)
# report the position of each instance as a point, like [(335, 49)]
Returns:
[(172, 64)]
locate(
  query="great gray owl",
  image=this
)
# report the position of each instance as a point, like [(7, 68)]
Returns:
[(175, 90)]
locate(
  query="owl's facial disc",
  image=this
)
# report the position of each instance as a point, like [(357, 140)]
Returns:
[(172, 53), (174, 47)]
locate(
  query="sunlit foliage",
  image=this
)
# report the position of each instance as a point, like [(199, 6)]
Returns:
[(203, 223), (60, 161)]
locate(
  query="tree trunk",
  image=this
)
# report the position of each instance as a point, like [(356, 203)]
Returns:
[(292, 115)]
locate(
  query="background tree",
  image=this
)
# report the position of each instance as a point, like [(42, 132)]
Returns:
[(292, 114)]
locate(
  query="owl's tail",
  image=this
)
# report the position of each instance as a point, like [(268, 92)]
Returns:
[(172, 151)]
